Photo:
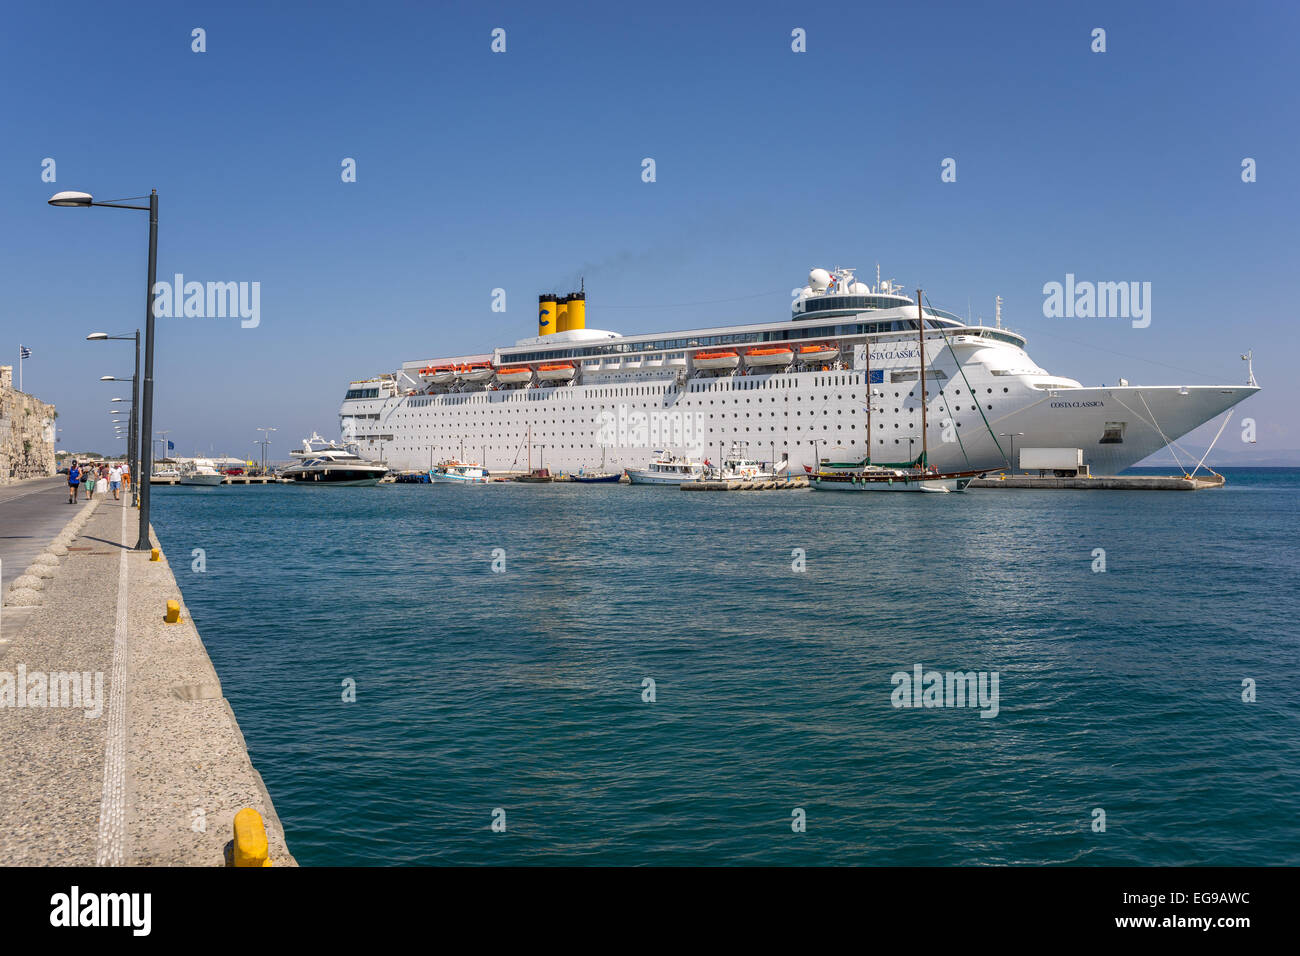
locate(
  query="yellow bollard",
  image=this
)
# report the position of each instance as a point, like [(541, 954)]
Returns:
[(155, 554), (250, 846), (173, 615)]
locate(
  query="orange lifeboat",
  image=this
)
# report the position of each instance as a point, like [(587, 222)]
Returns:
[(439, 374), (476, 371), (813, 354), (716, 360), (559, 372), (514, 375), (770, 355)]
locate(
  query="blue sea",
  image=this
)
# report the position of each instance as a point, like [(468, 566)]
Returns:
[(772, 625)]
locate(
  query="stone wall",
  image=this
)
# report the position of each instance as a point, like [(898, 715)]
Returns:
[(26, 432)]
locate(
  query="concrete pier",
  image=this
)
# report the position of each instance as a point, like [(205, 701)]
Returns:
[(1103, 482), (117, 745)]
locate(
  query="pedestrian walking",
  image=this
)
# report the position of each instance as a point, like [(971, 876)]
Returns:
[(74, 480), (115, 480)]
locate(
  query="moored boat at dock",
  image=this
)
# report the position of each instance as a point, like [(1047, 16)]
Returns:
[(667, 470), (328, 463), (457, 472)]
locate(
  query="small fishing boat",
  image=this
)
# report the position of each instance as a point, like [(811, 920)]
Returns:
[(536, 476), (736, 467), (717, 360), (457, 472)]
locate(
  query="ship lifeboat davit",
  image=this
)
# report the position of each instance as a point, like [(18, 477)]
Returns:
[(440, 374), (772, 355), (515, 375), (476, 371), (716, 360), (559, 372), (818, 353)]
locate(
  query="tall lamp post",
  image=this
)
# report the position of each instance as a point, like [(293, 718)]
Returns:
[(132, 446), (146, 409), (264, 441), (1013, 436)]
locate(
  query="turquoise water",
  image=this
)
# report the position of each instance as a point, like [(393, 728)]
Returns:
[(522, 690)]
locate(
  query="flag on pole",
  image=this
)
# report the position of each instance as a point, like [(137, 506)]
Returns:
[(171, 446), (24, 352)]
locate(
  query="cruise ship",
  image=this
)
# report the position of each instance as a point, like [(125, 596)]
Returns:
[(835, 382)]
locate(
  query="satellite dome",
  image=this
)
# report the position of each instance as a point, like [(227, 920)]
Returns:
[(819, 279), (860, 288)]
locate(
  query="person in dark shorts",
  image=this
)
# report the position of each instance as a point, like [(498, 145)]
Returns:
[(74, 479)]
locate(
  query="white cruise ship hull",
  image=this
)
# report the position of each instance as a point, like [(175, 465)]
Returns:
[(633, 397), (804, 420)]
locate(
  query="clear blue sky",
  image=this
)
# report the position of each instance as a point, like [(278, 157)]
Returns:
[(523, 170)]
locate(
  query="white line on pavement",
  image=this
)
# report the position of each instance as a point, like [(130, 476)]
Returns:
[(112, 808)]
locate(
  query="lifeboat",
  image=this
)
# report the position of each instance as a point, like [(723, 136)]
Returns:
[(818, 353), (559, 372), (514, 375), (476, 371), (772, 355), (440, 374), (716, 360)]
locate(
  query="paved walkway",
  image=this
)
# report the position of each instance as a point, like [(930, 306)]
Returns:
[(31, 514), (149, 768)]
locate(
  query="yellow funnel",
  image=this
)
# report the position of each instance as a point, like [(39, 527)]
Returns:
[(577, 312), (562, 315), (546, 314)]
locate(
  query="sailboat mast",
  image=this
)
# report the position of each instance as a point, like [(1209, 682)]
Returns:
[(920, 326)]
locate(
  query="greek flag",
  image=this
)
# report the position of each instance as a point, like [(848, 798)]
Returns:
[(24, 352)]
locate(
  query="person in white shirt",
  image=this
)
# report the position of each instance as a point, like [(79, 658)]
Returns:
[(115, 480)]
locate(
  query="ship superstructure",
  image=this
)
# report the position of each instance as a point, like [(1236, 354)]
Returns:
[(838, 380)]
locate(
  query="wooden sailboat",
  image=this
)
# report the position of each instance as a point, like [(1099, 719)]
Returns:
[(537, 475), (915, 476)]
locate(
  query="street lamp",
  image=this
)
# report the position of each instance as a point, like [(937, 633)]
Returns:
[(264, 442), (72, 198), (133, 444), (1013, 436)]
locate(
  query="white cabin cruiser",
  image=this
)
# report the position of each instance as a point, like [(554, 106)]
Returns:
[(667, 470), (329, 463), (198, 471)]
